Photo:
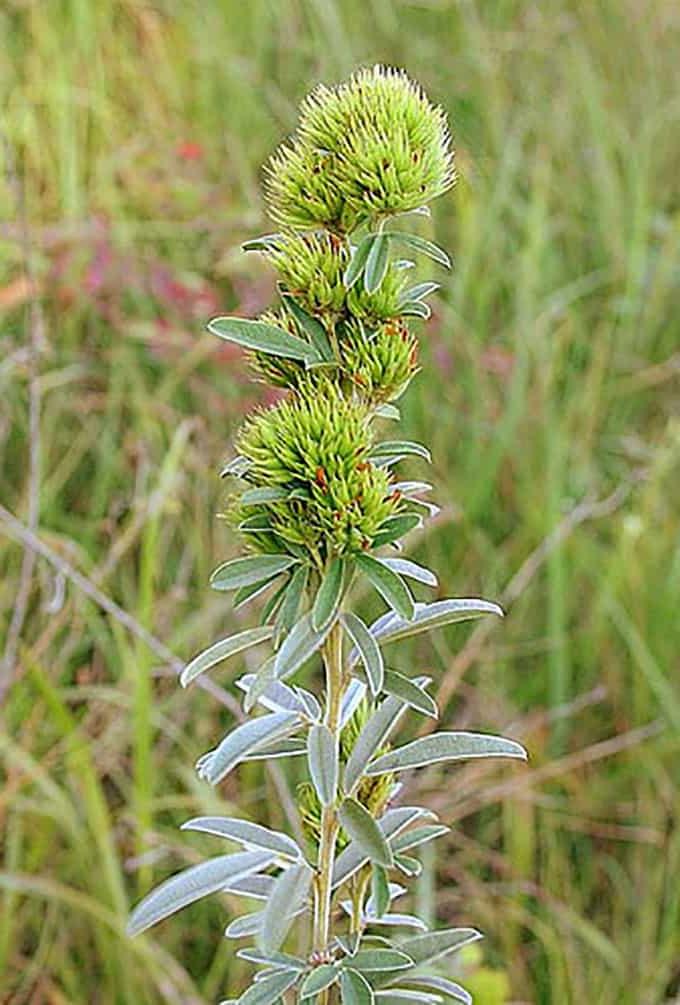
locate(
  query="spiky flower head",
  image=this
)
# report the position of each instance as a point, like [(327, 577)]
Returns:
[(369, 148), (314, 449), (379, 364)]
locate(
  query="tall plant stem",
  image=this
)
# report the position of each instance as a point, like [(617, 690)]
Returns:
[(329, 821)]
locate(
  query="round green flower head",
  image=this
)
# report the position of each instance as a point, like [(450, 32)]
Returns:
[(312, 483), (372, 147)]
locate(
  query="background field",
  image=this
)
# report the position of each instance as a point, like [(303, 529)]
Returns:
[(132, 138)]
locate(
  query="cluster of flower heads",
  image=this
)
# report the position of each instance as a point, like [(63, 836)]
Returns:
[(362, 152)]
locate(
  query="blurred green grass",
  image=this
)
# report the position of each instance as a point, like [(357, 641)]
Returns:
[(132, 138)]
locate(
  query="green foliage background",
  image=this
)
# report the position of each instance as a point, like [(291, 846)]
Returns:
[(132, 139)]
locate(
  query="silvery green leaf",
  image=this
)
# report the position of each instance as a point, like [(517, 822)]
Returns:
[(392, 822), (388, 411), (269, 990), (408, 865), (273, 603), (408, 489), (192, 884), (237, 466), (446, 746), (263, 495), (376, 263), (322, 750), (350, 942), (222, 650), (284, 748), (271, 693), (247, 571), (311, 705), (402, 687), (404, 264), (364, 830), (394, 528), (281, 960), (406, 996), (419, 835), (404, 567), (415, 309), (264, 243), (354, 988), (419, 291), (372, 737), (421, 245), (380, 891), (358, 261), (390, 586), (406, 448), (328, 597), (433, 945), (368, 649), (287, 897), (394, 890), (312, 326), (368, 960), (261, 337), (351, 699), (256, 886), (442, 986), (436, 615), (318, 979), (292, 597), (397, 921), (301, 643), (260, 684), (245, 926), (253, 836), (243, 740), (245, 594)]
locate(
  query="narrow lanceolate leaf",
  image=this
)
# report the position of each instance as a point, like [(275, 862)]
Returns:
[(390, 586), (406, 448), (261, 337), (395, 527), (441, 986), (245, 926), (363, 829), (405, 567), (263, 243), (398, 921), (420, 244), (256, 886), (432, 945), (288, 895), (415, 696), (368, 649), (406, 996), (222, 650), (247, 571), (436, 615), (408, 865), (237, 467), (251, 835), (322, 750), (248, 593), (418, 836), (354, 988), (259, 684), (388, 411), (193, 884), (269, 989), (329, 595), (351, 699), (419, 291), (284, 748), (372, 737), (357, 263), (292, 597), (447, 746), (243, 740), (415, 309), (312, 326), (301, 643), (284, 961), (369, 960), (376, 263), (391, 823), (264, 495), (380, 891), (321, 977)]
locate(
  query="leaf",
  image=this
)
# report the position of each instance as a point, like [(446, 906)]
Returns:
[(269, 692), (312, 326), (446, 746), (321, 977), (398, 920), (404, 688), (351, 699), (380, 891), (408, 448), (421, 245), (329, 595), (263, 243), (390, 586), (292, 597), (404, 567), (269, 989), (376, 263), (222, 650), (350, 941), (408, 489), (371, 738), (363, 829), (238, 466), (284, 748), (368, 649), (388, 411), (283, 960), (367, 960), (408, 865), (443, 986), (351, 859), (192, 884), (245, 926), (301, 643), (252, 835), (415, 309), (395, 527), (432, 945), (322, 750), (358, 260), (261, 337), (403, 996), (419, 291), (247, 571), (273, 604), (418, 836), (354, 988), (256, 886), (436, 615), (242, 741), (263, 495), (289, 893)]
